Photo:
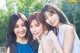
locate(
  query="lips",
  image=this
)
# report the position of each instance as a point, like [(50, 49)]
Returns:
[(51, 23), (35, 33), (21, 33)]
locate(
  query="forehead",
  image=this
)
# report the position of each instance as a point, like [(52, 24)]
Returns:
[(19, 21), (34, 22), (47, 13)]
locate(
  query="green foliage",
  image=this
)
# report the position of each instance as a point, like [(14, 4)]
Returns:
[(29, 6), (3, 26)]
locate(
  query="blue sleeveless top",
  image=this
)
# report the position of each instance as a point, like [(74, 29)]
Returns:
[(24, 48)]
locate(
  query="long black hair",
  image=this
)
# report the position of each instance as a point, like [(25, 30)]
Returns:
[(11, 37)]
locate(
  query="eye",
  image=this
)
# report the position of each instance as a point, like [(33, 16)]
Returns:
[(31, 26), (37, 25), (22, 24), (45, 17), (51, 14), (16, 26)]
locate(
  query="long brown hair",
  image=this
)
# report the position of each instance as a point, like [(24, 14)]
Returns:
[(37, 16), (52, 8)]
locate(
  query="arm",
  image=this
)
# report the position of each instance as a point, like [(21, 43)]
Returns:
[(46, 46), (8, 50), (68, 41)]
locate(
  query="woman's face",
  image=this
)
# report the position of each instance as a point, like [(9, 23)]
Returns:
[(20, 28), (52, 18), (36, 29)]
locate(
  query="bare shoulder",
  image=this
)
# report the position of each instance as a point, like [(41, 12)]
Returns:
[(69, 37), (69, 29), (69, 32), (8, 50)]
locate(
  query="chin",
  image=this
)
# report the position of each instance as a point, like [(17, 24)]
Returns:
[(54, 25), (36, 35), (22, 35)]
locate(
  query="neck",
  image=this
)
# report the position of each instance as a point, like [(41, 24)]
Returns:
[(59, 24), (41, 36), (45, 32), (21, 40)]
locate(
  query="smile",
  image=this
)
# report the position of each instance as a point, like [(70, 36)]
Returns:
[(35, 33)]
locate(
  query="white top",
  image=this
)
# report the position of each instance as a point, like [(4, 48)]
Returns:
[(60, 36), (40, 48)]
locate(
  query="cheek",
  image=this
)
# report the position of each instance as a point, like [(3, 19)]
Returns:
[(47, 21), (41, 29), (25, 29), (31, 30), (57, 19), (15, 31)]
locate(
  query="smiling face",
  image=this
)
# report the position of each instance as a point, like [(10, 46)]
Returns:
[(52, 18), (20, 28), (36, 29)]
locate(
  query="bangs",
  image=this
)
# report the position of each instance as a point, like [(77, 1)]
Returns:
[(37, 17)]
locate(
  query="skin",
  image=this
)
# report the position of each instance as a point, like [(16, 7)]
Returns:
[(53, 20), (37, 30), (20, 31), (8, 50)]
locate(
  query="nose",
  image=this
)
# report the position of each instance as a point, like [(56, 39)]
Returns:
[(20, 28), (33, 29), (50, 20)]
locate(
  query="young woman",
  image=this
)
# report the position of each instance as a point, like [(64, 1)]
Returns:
[(66, 39), (18, 38), (39, 30)]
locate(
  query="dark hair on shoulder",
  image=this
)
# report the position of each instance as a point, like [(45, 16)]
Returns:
[(11, 37)]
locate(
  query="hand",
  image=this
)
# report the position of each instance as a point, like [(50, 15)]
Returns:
[(36, 38), (51, 35)]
